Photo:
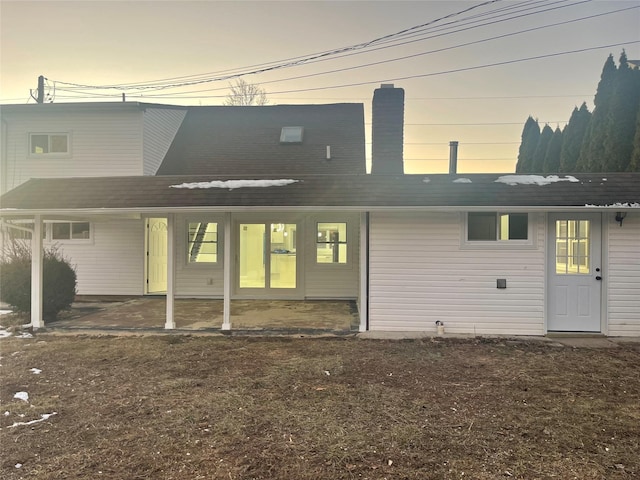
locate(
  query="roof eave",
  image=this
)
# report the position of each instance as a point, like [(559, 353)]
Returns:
[(21, 213)]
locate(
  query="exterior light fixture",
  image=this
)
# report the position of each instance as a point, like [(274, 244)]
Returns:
[(620, 216)]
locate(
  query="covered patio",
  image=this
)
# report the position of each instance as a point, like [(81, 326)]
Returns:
[(148, 313)]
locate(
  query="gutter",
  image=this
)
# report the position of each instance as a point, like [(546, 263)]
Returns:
[(14, 212)]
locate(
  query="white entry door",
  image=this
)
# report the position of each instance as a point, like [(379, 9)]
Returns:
[(574, 273), (156, 255)]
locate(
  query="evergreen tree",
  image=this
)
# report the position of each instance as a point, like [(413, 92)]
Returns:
[(573, 137), (634, 165), (528, 144), (592, 150), (541, 149), (621, 119), (552, 157)]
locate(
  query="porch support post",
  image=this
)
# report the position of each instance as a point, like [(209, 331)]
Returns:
[(170, 322), (37, 262), (226, 309), (364, 271)]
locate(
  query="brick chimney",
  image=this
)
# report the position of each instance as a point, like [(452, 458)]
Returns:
[(387, 132)]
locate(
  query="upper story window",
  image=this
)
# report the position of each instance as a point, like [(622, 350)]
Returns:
[(202, 242), (331, 243), (496, 226), (291, 134), (49, 143)]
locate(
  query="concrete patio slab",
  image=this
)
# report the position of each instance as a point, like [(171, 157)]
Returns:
[(143, 313)]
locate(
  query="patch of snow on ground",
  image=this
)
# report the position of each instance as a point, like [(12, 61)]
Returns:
[(43, 417), (24, 396), (24, 335), (233, 184), (4, 333), (4, 312), (462, 180), (36, 371), (534, 179)]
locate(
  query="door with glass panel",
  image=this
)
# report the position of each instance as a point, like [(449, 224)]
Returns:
[(267, 258), (574, 273)]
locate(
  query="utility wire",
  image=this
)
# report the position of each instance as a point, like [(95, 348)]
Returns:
[(157, 86), (406, 57), (432, 74), (185, 94)]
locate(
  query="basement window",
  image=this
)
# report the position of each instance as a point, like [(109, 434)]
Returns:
[(495, 226), (331, 243), (202, 242), (49, 143), (291, 134)]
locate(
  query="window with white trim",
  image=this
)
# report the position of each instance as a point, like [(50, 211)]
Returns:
[(331, 242), (202, 242), (496, 226), (70, 231), (49, 143)]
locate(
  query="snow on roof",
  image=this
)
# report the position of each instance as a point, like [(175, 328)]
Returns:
[(534, 179), (615, 205), (462, 180), (233, 184)]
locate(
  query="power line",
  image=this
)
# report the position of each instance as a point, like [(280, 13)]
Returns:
[(433, 74), (295, 60), (157, 86), (407, 57)]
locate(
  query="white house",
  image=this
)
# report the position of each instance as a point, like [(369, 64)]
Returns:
[(274, 202)]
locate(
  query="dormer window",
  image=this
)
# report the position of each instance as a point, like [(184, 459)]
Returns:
[(291, 135)]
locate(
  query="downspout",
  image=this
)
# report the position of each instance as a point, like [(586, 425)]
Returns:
[(4, 168), (364, 272), (367, 263)]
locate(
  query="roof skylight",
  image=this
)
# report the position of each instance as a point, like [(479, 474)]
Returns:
[(291, 134)]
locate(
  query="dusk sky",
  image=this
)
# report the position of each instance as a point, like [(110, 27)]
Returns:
[(455, 93)]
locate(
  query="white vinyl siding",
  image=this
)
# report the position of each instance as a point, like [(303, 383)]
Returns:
[(112, 264), (419, 274), (105, 143), (160, 127), (623, 276)]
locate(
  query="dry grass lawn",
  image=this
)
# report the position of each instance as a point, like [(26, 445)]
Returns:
[(181, 407)]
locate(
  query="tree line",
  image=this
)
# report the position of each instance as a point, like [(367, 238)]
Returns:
[(605, 140)]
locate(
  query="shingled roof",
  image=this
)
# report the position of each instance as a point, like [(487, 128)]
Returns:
[(225, 140), (323, 191)]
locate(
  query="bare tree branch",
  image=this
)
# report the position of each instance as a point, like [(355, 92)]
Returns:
[(243, 94)]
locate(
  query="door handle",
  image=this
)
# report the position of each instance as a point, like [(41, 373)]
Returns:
[(598, 277)]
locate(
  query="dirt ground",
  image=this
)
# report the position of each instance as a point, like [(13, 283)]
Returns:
[(196, 407)]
